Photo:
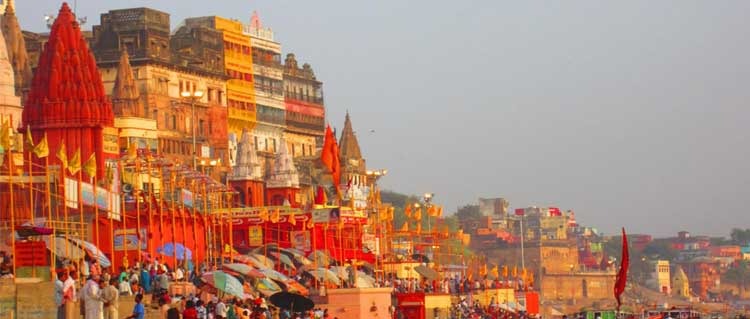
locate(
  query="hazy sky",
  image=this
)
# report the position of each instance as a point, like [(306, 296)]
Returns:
[(631, 113)]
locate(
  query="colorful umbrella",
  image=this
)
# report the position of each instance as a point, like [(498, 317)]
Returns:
[(426, 272), (295, 287), (244, 270), (274, 275), (297, 256), (284, 259), (224, 282), (325, 275), (322, 258), (65, 249), (266, 286), (175, 249), (93, 251), (260, 261)]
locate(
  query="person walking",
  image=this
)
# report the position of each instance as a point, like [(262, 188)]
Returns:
[(59, 294), (111, 296)]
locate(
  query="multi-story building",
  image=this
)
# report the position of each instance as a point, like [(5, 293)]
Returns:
[(180, 78), (305, 113), (268, 77), (703, 275), (238, 65), (660, 279), (17, 54)]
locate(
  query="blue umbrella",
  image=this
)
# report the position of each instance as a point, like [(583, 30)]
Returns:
[(172, 249)]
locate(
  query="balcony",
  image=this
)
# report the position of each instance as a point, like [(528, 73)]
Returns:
[(241, 115)]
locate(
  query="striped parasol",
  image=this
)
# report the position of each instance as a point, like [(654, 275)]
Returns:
[(93, 251)]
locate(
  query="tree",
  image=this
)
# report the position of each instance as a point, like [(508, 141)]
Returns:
[(739, 275), (740, 236), (468, 216)]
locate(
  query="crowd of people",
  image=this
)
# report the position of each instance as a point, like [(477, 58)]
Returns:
[(452, 285), (99, 295)]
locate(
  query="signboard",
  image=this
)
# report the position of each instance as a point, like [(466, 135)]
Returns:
[(255, 235), (301, 240), (187, 197), (320, 216), (109, 138), (370, 244), (105, 200), (127, 239)]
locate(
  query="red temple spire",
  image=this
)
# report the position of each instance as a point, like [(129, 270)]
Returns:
[(67, 99)]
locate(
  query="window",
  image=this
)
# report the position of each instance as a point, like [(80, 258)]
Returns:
[(255, 142), (200, 128), (174, 122)]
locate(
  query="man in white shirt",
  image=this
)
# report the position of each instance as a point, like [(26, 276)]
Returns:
[(110, 298), (221, 310), (92, 299)]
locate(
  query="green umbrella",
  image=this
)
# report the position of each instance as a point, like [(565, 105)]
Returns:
[(325, 275), (224, 282)]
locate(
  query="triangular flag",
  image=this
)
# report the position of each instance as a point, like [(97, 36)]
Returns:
[(419, 228), (407, 211), (90, 166), (29, 139), (292, 221), (42, 149), (432, 211), (405, 227), (62, 155), (418, 214), (5, 135), (132, 151), (310, 224), (75, 163)]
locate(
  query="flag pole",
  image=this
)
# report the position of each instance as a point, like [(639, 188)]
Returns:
[(160, 206), (231, 228), (123, 218), (96, 217), (49, 214), (138, 209), (220, 201), (184, 225), (80, 210), (31, 179), (195, 232), (172, 190), (12, 210)]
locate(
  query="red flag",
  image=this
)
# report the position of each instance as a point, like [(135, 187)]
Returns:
[(520, 211), (330, 157), (622, 275), (327, 153)]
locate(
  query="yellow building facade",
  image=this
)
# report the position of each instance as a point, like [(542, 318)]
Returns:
[(238, 65)]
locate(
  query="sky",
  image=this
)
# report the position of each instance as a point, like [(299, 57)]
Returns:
[(632, 114)]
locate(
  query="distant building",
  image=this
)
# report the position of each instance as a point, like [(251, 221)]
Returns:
[(680, 283), (703, 275), (660, 279)]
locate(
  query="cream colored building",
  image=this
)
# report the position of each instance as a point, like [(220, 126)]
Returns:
[(269, 89), (660, 277)]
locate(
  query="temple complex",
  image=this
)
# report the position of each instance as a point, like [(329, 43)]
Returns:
[(67, 100)]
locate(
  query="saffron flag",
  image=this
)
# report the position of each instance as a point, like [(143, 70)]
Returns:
[(42, 149), (292, 221), (75, 163), (418, 214), (29, 139), (407, 211), (622, 275), (432, 211), (5, 135), (495, 272), (405, 227), (62, 155), (330, 157), (263, 214), (320, 197), (276, 216), (419, 228), (132, 151), (310, 224), (505, 271), (90, 166)]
